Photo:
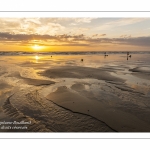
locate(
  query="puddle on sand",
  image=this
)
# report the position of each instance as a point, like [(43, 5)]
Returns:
[(68, 82)]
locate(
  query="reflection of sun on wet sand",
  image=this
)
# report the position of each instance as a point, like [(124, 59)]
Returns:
[(66, 94), (30, 81)]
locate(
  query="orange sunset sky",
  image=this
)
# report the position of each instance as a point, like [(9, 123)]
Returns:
[(74, 34)]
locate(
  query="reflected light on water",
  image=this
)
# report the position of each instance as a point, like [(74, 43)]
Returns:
[(36, 57)]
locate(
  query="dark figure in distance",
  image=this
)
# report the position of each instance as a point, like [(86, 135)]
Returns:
[(128, 55), (105, 54)]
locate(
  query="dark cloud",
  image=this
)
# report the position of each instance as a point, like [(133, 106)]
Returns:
[(73, 40), (125, 36), (138, 41), (103, 34), (96, 35), (23, 37), (27, 37)]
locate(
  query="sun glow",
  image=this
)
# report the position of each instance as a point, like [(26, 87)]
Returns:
[(37, 47)]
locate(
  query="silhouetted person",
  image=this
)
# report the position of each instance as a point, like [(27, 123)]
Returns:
[(105, 54)]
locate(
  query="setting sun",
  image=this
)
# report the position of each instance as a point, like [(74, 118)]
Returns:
[(36, 47)]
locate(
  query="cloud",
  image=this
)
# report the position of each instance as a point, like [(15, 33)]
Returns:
[(79, 21), (125, 36), (103, 35), (120, 22), (98, 35), (137, 41), (72, 40), (95, 35), (30, 26), (83, 20), (44, 26)]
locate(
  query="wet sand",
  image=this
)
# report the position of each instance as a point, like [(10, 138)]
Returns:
[(79, 72), (141, 72), (63, 94)]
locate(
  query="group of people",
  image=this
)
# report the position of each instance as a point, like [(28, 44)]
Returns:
[(128, 55)]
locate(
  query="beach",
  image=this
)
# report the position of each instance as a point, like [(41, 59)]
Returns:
[(75, 92)]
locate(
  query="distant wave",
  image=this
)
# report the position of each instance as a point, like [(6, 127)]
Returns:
[(16, 53)]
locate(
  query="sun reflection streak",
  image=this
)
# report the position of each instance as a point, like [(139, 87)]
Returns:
[(37, 57)]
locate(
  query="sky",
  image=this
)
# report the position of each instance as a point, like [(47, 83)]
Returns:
[(74, 34)]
